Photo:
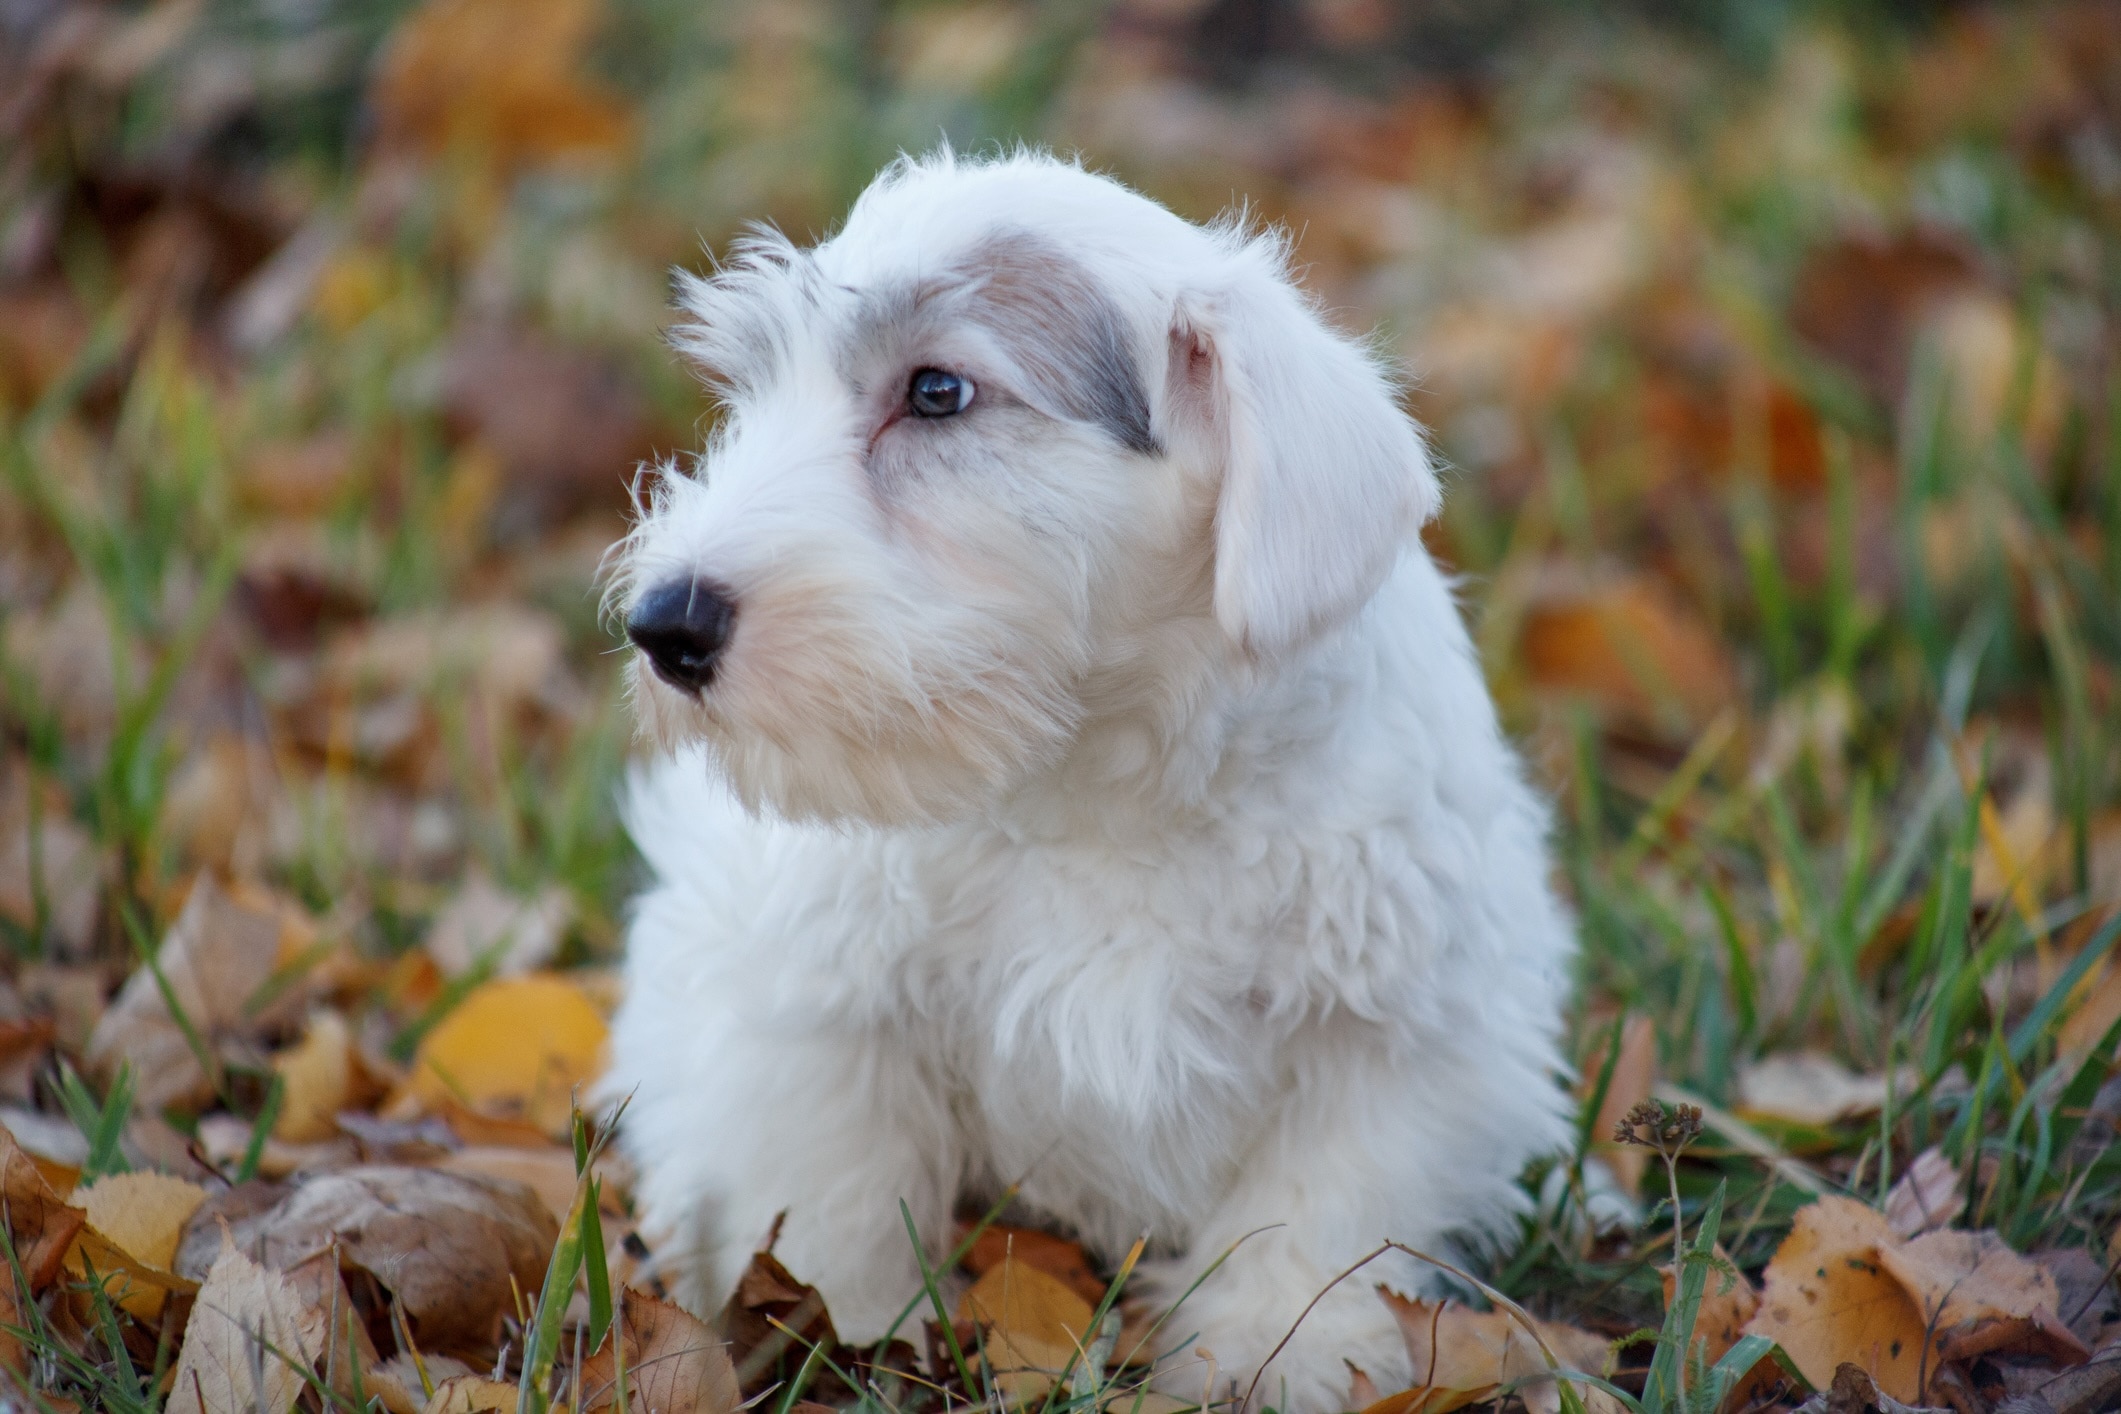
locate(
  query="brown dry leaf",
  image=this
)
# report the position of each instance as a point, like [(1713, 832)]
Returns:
[(41, 1225), (143, 1216), (1862, 299), (767, 1304), (473, 1394), (1631, 647), (1855, 1392), (1723, 1315), (498, 78), (547, 1170), (2094, 1015), (1983, 1297), (347, 1350), (1931, 1194), (46, 857), (1634, 1075), (484, 924), (1035, 1325), (1461, 1356), (246, 1326), (1828, 1302), (675, 1363), (1810, 1087), (14, 1355), (1055, 1256), (452, 1247), (219, 953), (320, 1077), (562, 423), (515, 1047)]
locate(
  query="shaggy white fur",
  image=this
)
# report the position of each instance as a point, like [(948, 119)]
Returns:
[(1083, 777)]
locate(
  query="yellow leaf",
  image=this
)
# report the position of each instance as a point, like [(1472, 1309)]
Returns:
[(141, 1217), (517, 1046), (319, 1078), (1034, 1322)]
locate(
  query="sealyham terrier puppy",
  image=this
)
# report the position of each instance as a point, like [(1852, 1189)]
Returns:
[(1078, 774)]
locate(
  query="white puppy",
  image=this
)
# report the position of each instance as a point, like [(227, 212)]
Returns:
[(1079, 774)]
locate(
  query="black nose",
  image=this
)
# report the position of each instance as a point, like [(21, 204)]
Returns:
[(682, 627)]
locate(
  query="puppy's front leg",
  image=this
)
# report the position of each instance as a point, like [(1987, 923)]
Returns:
[(832, 1125), (1363, 1146)]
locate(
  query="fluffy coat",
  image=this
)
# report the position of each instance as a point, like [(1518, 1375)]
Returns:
[(1098, 789)]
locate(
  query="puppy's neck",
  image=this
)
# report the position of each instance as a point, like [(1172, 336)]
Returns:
[(1191, 731)]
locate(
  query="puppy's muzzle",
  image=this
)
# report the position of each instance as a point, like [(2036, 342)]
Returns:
[(683, 627)]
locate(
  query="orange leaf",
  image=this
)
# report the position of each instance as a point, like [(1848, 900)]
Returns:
[(1828, 1302)]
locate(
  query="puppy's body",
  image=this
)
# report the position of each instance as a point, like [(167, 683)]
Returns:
[(1127, 814)]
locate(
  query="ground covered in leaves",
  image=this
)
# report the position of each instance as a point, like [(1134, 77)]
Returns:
[(1774, 352)]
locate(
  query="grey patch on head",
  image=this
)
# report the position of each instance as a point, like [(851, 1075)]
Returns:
[(1063, 332)]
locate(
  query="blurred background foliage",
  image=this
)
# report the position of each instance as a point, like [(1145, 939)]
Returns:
[(1771, 345)]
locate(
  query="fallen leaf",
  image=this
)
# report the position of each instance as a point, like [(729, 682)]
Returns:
[(1460, 1356), (1055, 1256), (1982, 1297), (347, 1351), (2087, 1389), (496, 79), (320, 1077), (247, 1326), (768, 1304), (41, 1225), (1634, 1075), (1853, 1391), (1723, 1314), (453, 1248), (511, 935), (50, 869), (517, 1047), (216, 958), (396, 1381), (565, 425), (675, 1363), (52, 1143), (474, 1394), (1828, 1302), (1861, 299), (547, 1171), (1930, 1194), (1630, 647), (1035, 1325), (225, 1208), (142, 1215), (1808, 1087)]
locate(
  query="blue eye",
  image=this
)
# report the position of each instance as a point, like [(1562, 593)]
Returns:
[(935, 392)]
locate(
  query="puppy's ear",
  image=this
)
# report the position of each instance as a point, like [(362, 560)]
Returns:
[(1323, 477)]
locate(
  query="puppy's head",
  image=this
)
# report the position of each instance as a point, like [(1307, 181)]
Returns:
[(995, 460)]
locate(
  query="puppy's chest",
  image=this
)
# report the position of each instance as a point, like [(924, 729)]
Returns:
[(1076, 992)]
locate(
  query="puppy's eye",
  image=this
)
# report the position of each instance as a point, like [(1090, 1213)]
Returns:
[(937, 393)]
